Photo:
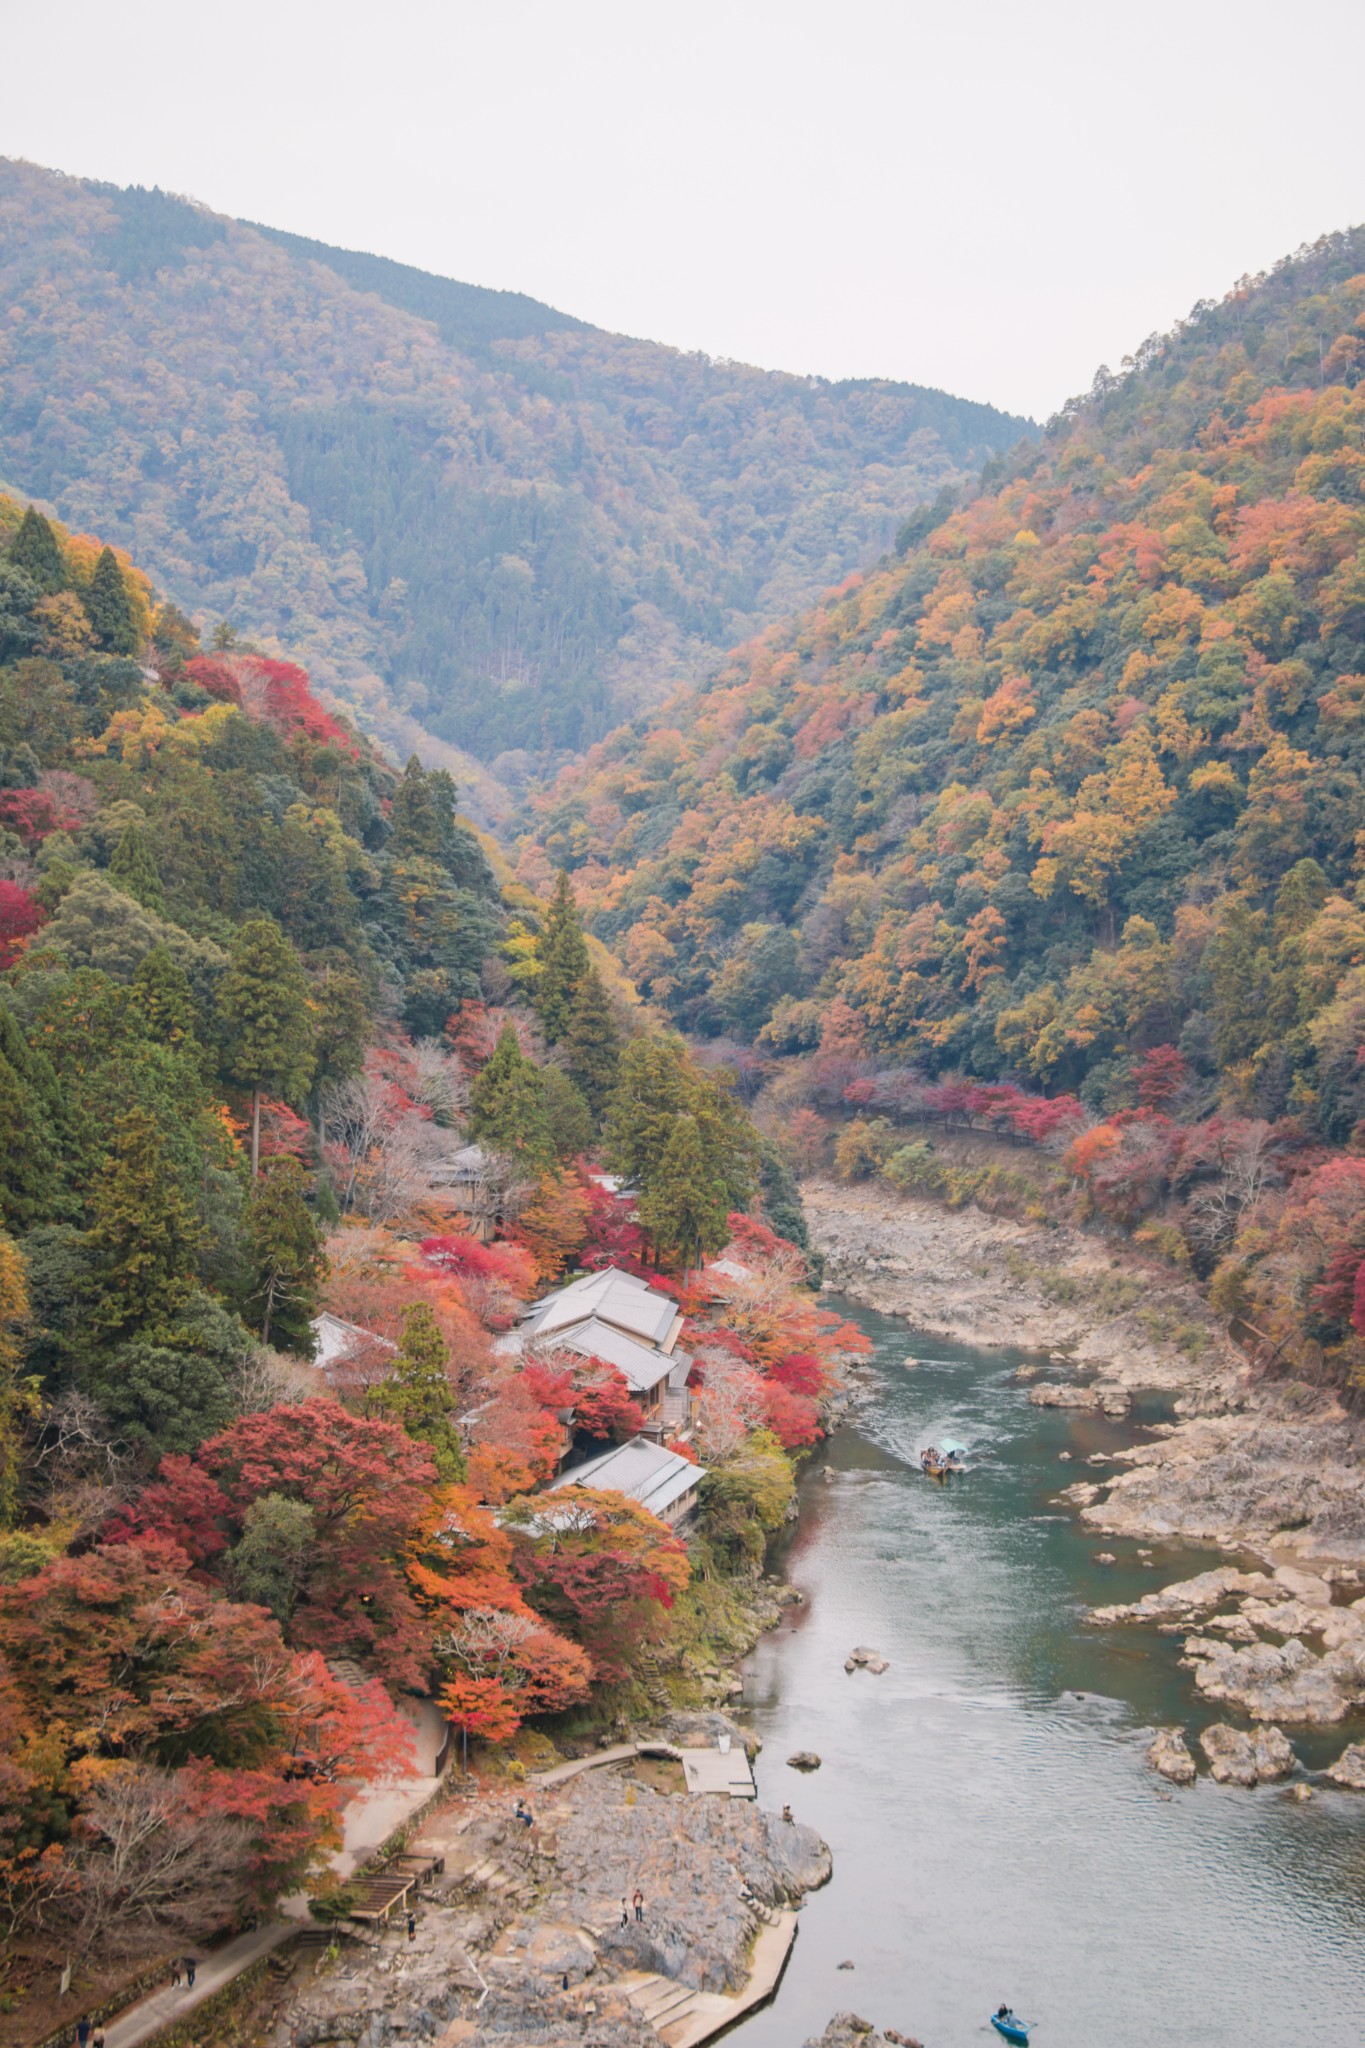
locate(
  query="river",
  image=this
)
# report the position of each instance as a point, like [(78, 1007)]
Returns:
[(997, 1834)]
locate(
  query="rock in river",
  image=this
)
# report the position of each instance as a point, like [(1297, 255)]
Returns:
[(1273, 1682), (803, 1760), (1170, 1755), (1236, 1758), (1349, 1768), (863, 1659), (846, 2030)]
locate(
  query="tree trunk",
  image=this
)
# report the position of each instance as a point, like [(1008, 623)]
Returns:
[(255, 1132)]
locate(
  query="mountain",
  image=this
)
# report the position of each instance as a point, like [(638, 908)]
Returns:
[(1076, 772), (470, 515)]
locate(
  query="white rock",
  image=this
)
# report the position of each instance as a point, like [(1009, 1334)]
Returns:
[(1169, 1754)]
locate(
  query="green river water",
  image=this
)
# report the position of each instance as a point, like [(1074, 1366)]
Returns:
[(997, 1834)]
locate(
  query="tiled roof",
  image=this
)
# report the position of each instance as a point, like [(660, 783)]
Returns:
[(644, 1471)]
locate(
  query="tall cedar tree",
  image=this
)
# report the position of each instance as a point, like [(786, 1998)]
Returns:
[(34, 549), (161, 1000), (284, 1245), (263, 1005), (133, 866), (28, 1156), (108, 607), (684, 1207), (18, 1395), (419, 1394), (658, 1083), (423, 813), (568, 1115), (591, 1045), (145, 1233), (507, 1108), (564, 963)]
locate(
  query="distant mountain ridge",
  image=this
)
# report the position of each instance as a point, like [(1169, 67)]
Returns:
[(469, 514)]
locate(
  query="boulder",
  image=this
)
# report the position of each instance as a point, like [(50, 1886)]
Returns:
[(1349, 1768), (1169, 1754), (1274, 1682), (1064, 1397), (846, 2030), (1236, 1758), (863, 1659), (803, 1760)]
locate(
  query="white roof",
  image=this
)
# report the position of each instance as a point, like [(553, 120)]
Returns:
[(335, 1340), (642, 1470), (612, 1296), (640, 1367), (730, 1269)]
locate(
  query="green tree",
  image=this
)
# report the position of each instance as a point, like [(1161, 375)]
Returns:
[(18, 1394), (418, 1393), (133, 866), (170, 1386), (563, 954), (507, 1111), (591, 1044), (658, 1085), (161, 1002), (266, 1024), (271, 1560), (423, 808), (567, 1114), (35, 550), (684, 1205), (284, 1246), (145, 1233), (29, 1179), (109, 609)]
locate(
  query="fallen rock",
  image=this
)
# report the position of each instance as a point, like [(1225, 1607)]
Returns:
[(1169, 1754), (1301, 1792), (1236, 1758), (1349, 1768), (803, 1760), (863, 1659), (1065, 1396), (846, 2030)]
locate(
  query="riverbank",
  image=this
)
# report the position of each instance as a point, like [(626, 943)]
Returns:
[(522, 1934), (1248, 1463)]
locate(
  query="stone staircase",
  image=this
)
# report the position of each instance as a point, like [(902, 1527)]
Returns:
[(677, 2013), (490, 1876)]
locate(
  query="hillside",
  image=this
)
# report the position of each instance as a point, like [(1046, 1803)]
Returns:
[(1063, 798), (466, 513)]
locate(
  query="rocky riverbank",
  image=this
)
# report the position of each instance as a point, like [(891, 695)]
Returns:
[(1263, 1469), (522, 1936)]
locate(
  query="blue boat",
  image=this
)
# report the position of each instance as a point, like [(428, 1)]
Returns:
[(1012, 2028)]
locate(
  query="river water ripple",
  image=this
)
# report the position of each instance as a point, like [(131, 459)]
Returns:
[(996, 1831)]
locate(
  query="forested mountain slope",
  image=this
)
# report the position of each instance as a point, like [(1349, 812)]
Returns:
[(457, 506), (1068, 794)]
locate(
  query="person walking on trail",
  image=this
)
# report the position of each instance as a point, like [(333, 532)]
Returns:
[(625, 1914), (82, 2030), (190, 1967), (639, 1903), (97, 2040), (175, 1974), (412, 1927)]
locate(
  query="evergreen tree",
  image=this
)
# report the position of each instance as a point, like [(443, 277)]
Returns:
[(684, 1208), (18, 1395), (423, 813), (144, 1233), (29, 1170), (592, 1043), (564, 962), (35, 550), (108, 607), (133, 867), (161, 1001), (169, 1386), (507, 1110), (267, 1028), (658, 1084), (284, 1245), (271, 1561), (419, 1394), (567, 1113)]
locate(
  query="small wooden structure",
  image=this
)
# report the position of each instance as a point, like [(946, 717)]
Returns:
[(376, 1897)]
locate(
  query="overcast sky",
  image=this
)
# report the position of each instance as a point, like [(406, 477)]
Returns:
[(993, 198)]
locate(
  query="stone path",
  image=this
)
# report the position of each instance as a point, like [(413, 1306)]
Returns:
[(218, 1967)]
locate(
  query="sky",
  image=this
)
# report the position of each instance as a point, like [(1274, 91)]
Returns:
[(993, 198)]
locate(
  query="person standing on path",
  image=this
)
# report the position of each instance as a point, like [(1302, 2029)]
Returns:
[(412, 1927), (190, 1967), (175, 1974), (625, 1914), (83, 2027), (639, 1903)]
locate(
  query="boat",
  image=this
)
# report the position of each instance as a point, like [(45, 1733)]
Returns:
[(936, 1461), (1012, 2028)]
